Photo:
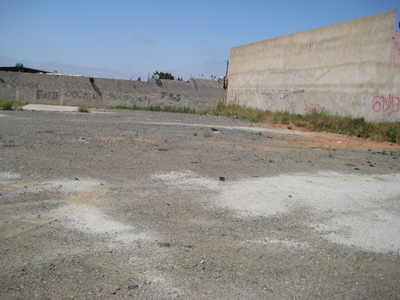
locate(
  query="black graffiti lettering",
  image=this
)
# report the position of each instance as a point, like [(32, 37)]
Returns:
[(171, 96), (47, 95), (81, 95), (110, 95), (11, 82), (13, 78), (30, 85)]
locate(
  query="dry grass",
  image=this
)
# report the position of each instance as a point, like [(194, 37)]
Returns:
[(316, 121)]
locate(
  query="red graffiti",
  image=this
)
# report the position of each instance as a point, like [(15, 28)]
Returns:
[(311, 107), (387, 105)]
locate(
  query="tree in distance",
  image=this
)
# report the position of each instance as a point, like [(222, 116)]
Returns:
[(162, 75)]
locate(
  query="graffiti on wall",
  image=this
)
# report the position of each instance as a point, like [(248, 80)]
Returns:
[(108, 95), (13, 82), (102, 92), (281, 94), (85, 95), (292, 107), (386, 104), (47, 95), (319, 43), (311, 107), (171, 96)]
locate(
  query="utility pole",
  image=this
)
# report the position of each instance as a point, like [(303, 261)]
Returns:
[(226, 76)]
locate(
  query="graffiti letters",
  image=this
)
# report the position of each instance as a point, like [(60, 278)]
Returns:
[(281, 94), (387, 105), (31, 85), (81, 95), (311, 107), (319, 43), (292, 107), (47, 95), (107, 95), (13, 82), (171, 96)]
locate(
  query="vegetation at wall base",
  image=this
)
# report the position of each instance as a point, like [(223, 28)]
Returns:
[(315, 121), (10, 104), (83, 109)]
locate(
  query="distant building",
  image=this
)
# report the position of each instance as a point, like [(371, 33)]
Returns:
[(23, 70)]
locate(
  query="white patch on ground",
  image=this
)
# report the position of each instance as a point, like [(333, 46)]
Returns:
[(65, 186), (230, 127), (187, 180), (70, 186), (9, 176), (359, 210), (91, 220), (290, 245), (376, 230)]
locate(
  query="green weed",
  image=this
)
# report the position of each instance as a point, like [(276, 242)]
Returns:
[(83, 109), (315, 121), (10, 104)]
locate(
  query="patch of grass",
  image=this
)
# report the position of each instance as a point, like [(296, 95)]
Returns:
[(207, 135), (10, 104), (83, 109), (315, 121)]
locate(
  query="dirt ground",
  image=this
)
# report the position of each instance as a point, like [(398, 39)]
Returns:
[(147, 205)]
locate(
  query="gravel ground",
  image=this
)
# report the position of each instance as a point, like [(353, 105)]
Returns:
[(147, 205)]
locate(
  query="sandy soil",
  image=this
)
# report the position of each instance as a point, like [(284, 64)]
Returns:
[(140, 205)]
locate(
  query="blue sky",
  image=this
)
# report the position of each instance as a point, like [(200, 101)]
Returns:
[(127, 39)]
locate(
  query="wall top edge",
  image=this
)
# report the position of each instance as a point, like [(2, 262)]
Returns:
[(389, 14)]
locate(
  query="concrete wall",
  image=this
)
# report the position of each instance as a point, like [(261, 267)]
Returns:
[(103, 93), (350, 68)]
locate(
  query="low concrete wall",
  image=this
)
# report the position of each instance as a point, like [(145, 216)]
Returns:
[(104, 93), (350, 68)]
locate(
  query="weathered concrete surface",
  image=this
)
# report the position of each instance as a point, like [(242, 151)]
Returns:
[(92, 92), (350, 68), (132, 204)]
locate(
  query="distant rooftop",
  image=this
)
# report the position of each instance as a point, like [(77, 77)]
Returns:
[(22, 69)]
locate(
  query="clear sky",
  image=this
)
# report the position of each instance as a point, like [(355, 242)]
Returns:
[(127, 39)]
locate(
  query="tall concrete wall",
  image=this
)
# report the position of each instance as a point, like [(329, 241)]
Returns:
[(350, 68), (104, 93)]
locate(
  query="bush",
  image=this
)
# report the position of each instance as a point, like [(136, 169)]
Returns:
[(10, 104), (83, 109), (7, 105)]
